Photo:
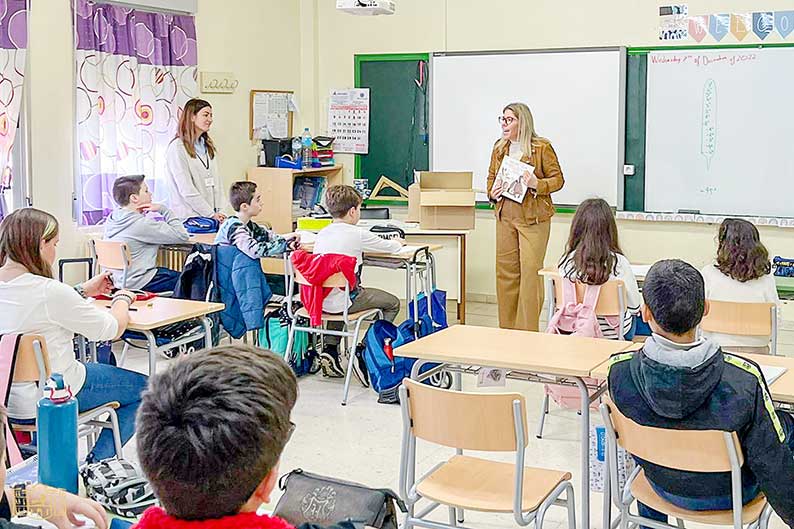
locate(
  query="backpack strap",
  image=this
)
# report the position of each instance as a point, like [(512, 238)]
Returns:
[(568, 291), (9, 345), (591, 294)]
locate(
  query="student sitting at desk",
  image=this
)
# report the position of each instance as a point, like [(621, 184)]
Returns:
[(681, 382), (143, 235), (248, 236), (32, 302), (343, 237), (211, 432), (741, 273), (593, 256)]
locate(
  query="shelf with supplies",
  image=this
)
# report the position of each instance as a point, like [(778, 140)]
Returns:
[(276, 186)]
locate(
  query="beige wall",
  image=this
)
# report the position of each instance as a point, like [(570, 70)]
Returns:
[(308, 46), (257, 40), (458, 25)]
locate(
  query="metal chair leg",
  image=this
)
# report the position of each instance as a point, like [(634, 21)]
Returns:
[(114, 421), (348, 375), (290, 339), (544, 410), (453, 519)]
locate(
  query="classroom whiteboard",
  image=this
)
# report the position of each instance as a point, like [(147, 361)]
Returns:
[(720, 130), (576, 98)]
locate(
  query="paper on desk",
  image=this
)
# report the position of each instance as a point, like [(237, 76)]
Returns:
[(28, 470), (772, 373), (640, 270), (307, 237), (409, 249)]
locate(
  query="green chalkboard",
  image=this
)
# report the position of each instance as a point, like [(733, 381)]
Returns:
[(636, 90), (398, 127)]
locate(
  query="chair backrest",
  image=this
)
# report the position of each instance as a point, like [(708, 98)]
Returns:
[(375, 213), (742, 319), (111, 255), (28, 361), (336, 280), (470, 421), (609, 299), (690, 450)]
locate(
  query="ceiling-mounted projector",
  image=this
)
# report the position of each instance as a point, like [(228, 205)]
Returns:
[(366, 7)]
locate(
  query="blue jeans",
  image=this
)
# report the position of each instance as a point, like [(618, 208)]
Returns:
[(103, 384), (163, 281), (707, 503)]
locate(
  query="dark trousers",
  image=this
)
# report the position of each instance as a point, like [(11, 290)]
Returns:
[(163, 281)]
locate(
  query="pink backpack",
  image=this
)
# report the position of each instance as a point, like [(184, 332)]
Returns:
[(573, 317), (578, 319)]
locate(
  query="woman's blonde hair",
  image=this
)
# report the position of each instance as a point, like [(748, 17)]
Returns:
[(527, 137), (186, 131)]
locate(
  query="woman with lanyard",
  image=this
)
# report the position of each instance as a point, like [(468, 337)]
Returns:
[(522, 228), (194, 186)]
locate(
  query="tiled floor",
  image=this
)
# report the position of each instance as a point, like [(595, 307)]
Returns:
[(361, 442)]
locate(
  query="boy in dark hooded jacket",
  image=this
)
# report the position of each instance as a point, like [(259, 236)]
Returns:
[(683, 382)]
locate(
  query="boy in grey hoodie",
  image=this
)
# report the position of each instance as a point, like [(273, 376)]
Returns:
[(143, 235)]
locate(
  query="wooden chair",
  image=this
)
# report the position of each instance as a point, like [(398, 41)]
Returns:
[(352, 320), (111, 255), (492, 422), (611, 303), (611, 298), (33, 365), (687, 450), (742, 319)]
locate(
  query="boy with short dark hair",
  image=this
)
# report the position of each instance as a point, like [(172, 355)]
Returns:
[(241, 231), (210, 432), (143, 235), (683, 382), (344, 237)]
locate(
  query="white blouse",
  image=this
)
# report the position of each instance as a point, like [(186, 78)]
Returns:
[(194, 186), (31, 304), (720, 287)]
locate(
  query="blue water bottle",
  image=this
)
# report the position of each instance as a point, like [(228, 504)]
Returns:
[(57, 431)]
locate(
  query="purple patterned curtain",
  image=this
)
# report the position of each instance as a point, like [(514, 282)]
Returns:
[(135, 72), (13, 50)]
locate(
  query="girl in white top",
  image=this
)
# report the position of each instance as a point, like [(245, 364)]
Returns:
[(194, 186), (741, 273), (593, 256), (31, 302)]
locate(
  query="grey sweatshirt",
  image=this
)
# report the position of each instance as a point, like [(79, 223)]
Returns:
[(143, 237)]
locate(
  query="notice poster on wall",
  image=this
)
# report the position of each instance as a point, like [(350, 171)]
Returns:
[(348, 120)]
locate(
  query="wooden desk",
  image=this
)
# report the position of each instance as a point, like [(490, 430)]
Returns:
[(203, 238), (159, 312), (527, 355)]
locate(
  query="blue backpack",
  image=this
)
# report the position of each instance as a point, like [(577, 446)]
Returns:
[(201, 225), (386, 375)]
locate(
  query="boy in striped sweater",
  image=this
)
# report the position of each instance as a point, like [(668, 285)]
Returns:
[(249, 237)]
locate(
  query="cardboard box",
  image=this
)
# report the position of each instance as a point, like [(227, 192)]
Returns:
[(446, 200)]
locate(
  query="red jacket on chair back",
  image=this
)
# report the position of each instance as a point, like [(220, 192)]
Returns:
[(317, 269)]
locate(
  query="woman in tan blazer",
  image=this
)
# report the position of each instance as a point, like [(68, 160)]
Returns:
[(522, 229)]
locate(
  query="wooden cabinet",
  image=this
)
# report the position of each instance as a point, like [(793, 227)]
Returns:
[(276, 188)]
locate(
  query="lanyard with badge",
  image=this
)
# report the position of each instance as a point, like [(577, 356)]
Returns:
[(209, 180)]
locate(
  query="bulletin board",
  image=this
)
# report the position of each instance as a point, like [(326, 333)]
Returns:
[(270, 108)]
